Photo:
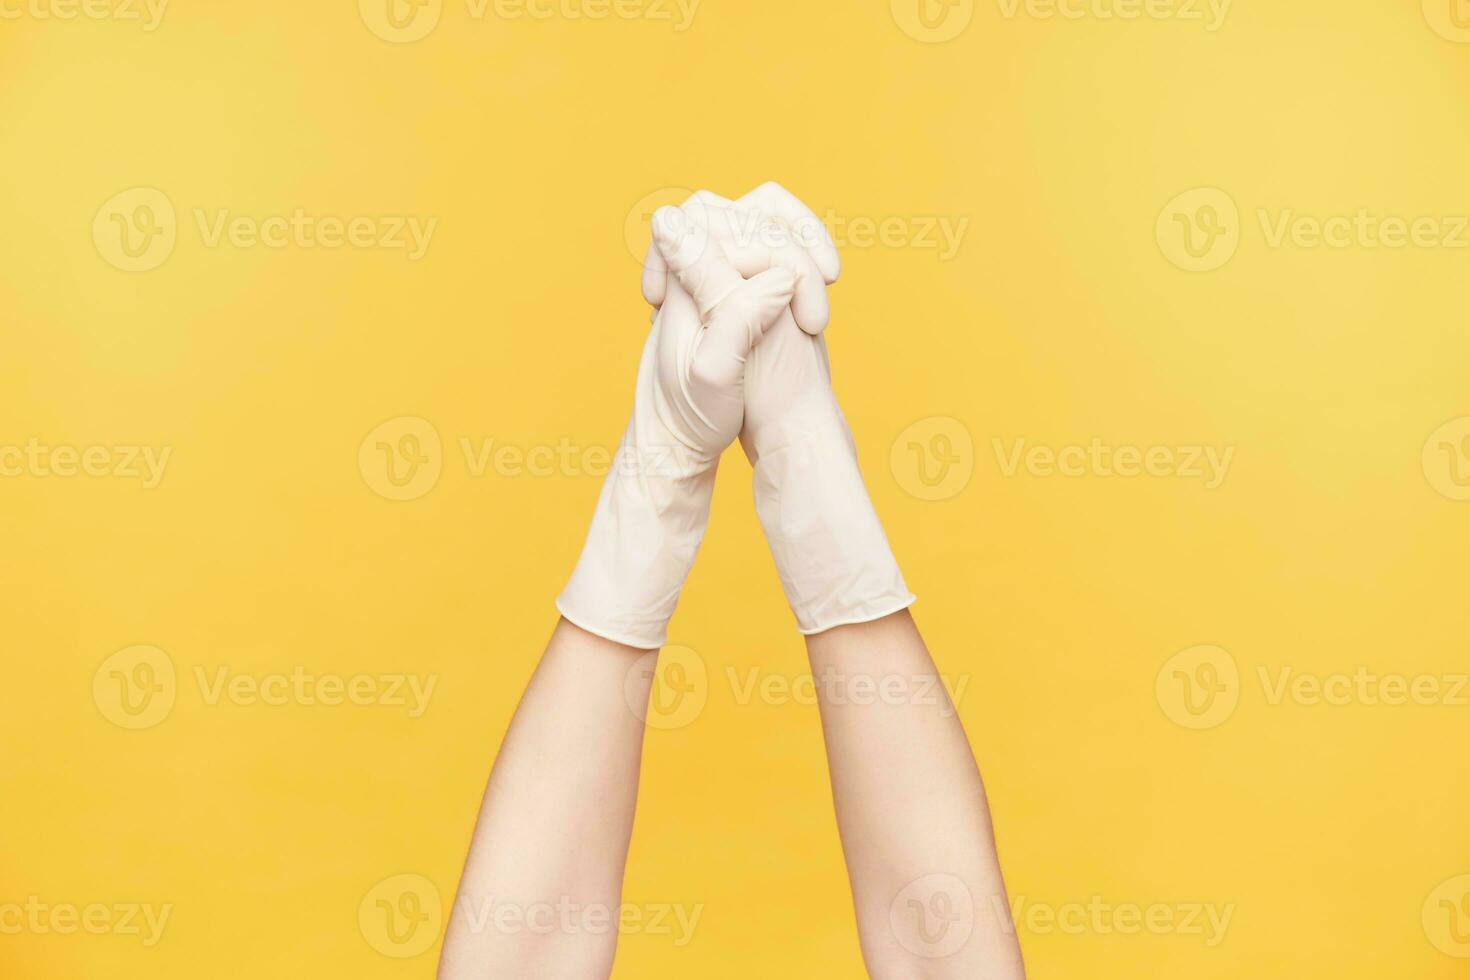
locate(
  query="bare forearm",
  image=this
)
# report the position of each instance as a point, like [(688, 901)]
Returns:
[(911, 809), (552, 835)]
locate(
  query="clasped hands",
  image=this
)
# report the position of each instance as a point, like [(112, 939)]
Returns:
[(739, 290)]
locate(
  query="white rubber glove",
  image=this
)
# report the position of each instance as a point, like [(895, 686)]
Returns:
[(831, 553), (687, 409)]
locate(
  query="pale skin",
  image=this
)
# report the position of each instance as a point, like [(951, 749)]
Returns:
[(556, 819), (558, 812), (910, 808)]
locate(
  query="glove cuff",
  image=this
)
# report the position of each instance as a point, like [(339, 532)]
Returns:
[(644, 535), (834, 560)]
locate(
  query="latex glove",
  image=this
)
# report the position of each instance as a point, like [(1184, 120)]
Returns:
[(832, 556), (770, 228), (687, 408)]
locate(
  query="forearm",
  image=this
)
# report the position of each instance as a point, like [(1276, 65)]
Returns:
[(646, 528), (911, 810), (547, 851), (833, 558), (910, 806)]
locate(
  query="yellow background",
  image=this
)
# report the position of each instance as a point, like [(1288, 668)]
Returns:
[(264, 548)]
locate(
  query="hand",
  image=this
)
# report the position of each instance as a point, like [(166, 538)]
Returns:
[(834, 560), (711, 319), (767, 227), (687, 408)]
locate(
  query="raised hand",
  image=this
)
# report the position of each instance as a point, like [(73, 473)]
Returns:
[(687, 408)]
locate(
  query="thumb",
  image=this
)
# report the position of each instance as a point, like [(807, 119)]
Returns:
[(738, 323), (695, 258)]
